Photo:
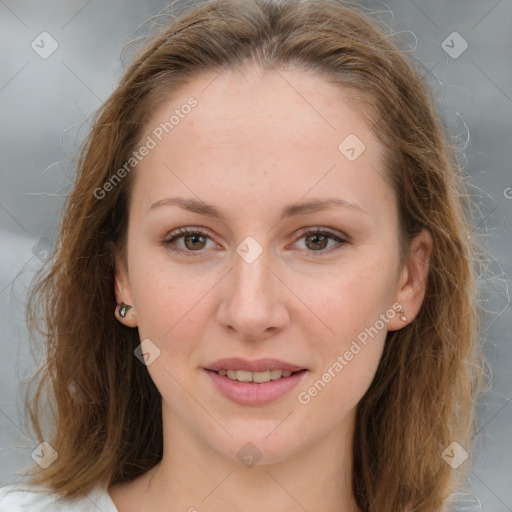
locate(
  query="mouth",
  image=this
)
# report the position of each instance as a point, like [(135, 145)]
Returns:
[(261, 377), (259, 388), (254, 382)]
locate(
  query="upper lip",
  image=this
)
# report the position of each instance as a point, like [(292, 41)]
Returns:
[(260, 365)]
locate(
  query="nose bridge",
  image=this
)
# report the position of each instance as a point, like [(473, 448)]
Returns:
[(252, 305), (251, 274)]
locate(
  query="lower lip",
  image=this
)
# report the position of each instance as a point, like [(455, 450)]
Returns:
[(247, 393)]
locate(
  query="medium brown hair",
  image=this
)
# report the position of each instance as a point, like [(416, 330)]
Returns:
[(105, 421)]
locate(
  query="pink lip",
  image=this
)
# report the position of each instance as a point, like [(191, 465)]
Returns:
[(261, 365), (247, 393)]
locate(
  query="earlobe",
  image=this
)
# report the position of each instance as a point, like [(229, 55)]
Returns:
[(124, 310), (126, 314), (413, 281)]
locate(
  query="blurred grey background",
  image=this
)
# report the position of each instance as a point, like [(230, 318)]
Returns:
[(61, 59)]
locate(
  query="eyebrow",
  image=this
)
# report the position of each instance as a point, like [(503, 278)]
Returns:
[(202, 208)]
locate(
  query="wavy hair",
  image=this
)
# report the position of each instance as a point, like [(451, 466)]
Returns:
[(105, 412)]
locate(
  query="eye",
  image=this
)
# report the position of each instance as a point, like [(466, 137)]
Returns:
[(194, 240), (317, 239)]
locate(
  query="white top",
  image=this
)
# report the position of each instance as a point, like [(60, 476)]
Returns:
[(31, 498)]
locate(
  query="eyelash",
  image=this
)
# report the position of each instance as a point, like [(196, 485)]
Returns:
[(182, 232)]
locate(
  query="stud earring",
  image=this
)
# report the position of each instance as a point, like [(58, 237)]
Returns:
[(403, 317), (123, 309)]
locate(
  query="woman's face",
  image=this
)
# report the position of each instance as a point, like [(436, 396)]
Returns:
[(264, 151)]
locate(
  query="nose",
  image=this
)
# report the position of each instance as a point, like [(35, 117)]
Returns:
[(255, 299)]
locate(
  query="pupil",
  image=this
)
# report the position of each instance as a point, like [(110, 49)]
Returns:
[(317, 237), (194, 237)]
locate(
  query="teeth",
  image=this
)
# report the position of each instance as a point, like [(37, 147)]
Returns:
[(258, 377), (277, 374), (243, 376)]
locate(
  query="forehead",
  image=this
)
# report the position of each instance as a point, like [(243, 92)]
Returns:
[(247, 105), (254, 131)]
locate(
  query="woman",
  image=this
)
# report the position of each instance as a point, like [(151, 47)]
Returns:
[(263, 296)]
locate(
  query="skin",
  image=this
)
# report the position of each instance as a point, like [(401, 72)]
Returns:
[(257, 142)]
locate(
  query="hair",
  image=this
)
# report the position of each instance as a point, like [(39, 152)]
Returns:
[(104, 410)]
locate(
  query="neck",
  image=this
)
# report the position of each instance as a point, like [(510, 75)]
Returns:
[(193, 477)]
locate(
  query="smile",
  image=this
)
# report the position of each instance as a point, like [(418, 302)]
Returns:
[(255, 388), (256, 377)]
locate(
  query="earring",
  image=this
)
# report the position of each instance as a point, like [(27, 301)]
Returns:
[(123, 309), (403, 317)]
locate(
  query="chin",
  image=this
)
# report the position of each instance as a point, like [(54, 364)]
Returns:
[(250, 447)]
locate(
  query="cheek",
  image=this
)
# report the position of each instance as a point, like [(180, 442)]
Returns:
[(350, 354), (170, 301), (353, 298), (356, 307), (337, 390)]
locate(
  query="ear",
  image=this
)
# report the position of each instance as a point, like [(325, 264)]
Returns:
[(413, 281), (123, 292)]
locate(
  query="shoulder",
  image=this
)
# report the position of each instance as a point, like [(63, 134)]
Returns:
[(19, 497), (39, 498)]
